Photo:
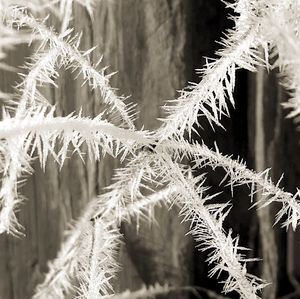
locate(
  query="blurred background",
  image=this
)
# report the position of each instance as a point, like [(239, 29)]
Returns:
[(156, 45)]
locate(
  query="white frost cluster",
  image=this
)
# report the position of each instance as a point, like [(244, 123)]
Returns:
[(155, 172)]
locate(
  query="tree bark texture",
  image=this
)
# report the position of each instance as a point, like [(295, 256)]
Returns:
[(155, 45)]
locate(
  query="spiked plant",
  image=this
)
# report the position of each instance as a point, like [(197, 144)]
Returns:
[(154, 173)]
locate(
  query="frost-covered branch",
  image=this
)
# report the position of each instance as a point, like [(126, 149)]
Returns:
[(209, 97), (58, 281), (16, 162), (41, 124), (76, 60), (118, 204), (42, 70), (40, 130), (97, 266), (238, 174), (207, 228)]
